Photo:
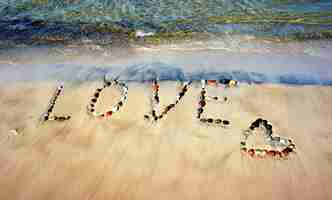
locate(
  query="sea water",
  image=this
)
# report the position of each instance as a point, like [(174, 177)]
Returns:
[(255, 41)]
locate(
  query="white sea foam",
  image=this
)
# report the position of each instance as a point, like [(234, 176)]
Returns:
[(245, 58)]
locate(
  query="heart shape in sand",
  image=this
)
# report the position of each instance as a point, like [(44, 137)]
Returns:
[(278, 147)]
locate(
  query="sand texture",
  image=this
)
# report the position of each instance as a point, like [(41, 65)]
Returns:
[(126, 157)]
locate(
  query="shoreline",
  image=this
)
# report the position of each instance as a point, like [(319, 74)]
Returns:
[(244, 59)]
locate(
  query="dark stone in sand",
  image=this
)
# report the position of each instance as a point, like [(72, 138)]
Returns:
[(226, 122)]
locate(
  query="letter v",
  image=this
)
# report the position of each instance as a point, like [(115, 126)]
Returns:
[(156, 101)]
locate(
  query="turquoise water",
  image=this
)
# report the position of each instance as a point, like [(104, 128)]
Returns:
[(296, 19), (279, 41), (159, 11)]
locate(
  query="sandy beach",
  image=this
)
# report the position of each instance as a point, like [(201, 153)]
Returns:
[(266, 138), (127, 157)]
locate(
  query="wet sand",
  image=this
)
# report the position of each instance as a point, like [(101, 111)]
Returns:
[(127, 157), (245, 58)]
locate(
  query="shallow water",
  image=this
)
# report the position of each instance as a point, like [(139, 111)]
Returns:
[(68, 20), (254, 62)]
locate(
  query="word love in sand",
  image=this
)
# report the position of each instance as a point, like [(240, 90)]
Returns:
[(155, 115)]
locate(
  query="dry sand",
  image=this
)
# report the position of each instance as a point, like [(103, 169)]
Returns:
[(177, 158)]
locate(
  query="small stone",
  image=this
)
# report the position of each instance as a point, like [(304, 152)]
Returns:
[(251, 152), (168, 108), (109, 113), (156, 98), (203, 120), (255, 124), (202, 103), (226, 122), (258, 152), (156, 88), (287, 150), (212, 81), (218, 121)]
